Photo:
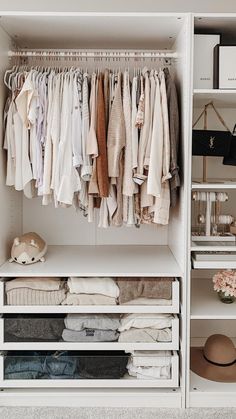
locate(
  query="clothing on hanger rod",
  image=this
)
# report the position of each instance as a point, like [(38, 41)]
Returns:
[(92, 53), (106, 140)]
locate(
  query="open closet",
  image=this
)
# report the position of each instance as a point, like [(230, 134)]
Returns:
[(76, 248)]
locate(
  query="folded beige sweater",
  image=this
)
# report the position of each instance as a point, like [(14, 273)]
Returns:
[(156, 288), (28, 297)]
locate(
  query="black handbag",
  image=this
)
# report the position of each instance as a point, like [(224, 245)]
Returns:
[(230, 160), (211, 142)]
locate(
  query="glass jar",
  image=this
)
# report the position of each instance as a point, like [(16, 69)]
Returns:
[(227, 299)]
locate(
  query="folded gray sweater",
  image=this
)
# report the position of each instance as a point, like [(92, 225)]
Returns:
[(90, 335)]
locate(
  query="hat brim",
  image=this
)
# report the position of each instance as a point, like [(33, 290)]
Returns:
[(205, 369)]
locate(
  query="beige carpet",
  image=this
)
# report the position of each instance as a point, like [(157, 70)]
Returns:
[(104, 413)]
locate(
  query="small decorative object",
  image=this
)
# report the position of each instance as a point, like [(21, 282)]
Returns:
[(28, 248), (209, 224), (225, 285)]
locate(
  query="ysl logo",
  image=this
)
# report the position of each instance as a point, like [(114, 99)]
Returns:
[(212, 139)]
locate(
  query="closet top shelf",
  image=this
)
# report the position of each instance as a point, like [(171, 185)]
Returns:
[(114, 260), (93, 30)]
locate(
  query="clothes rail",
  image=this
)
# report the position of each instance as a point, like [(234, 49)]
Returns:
[(93, 53)]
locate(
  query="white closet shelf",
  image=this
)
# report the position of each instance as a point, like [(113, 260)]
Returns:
[(206, 393), (213, 247), (214, 264), (88, 309), (205, 303), (221, 98), (214, 184), (85, 346), (122, 260)]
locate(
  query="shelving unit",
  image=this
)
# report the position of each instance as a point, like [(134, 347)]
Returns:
[(163, 251), (207, 314)]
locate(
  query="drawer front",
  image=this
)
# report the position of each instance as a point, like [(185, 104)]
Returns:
[(171, 307), (9, 343), (10, 380)]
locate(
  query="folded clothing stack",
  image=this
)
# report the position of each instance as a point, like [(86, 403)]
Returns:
[(145, 291), (33, 327), (22, 365), (91, 328), (35, 291), (91, 291), (28, 365), (103, 365), (150, 365), (146, 328)]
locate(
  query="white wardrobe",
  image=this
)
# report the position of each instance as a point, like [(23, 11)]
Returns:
[(77, 248)]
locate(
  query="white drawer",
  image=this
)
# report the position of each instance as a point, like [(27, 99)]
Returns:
[(172, 308), (125, 382), (111, 346)]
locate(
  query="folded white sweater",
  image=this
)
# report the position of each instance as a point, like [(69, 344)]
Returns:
[(94, 285), (149, 373), (151, 358), (145, 320)]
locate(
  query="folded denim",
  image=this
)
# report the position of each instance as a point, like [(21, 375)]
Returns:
[(90, 335), (23, 365)]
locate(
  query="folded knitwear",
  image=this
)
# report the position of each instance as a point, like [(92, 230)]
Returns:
[(94, 285), (42, 284), (92, 321), (149, 373), (145, 320), (90, 335), (146, 335), (151, 358), (132, 288), (103, 364), (142, 301), (88, 300), (35, 327), (27, 296)]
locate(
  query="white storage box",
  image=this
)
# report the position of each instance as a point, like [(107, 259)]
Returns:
[(225, 67), (82, 346), (203, 60), (173, 307), (126, 381)]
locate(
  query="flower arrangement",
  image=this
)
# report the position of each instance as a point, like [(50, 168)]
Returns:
[(225, 283)]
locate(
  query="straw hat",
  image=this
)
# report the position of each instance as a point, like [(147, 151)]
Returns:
[(216, 361)]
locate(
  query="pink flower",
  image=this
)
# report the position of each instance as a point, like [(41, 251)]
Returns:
[(225, 281)]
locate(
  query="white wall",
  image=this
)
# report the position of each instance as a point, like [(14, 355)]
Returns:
[(122, 5), (10, 205)]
